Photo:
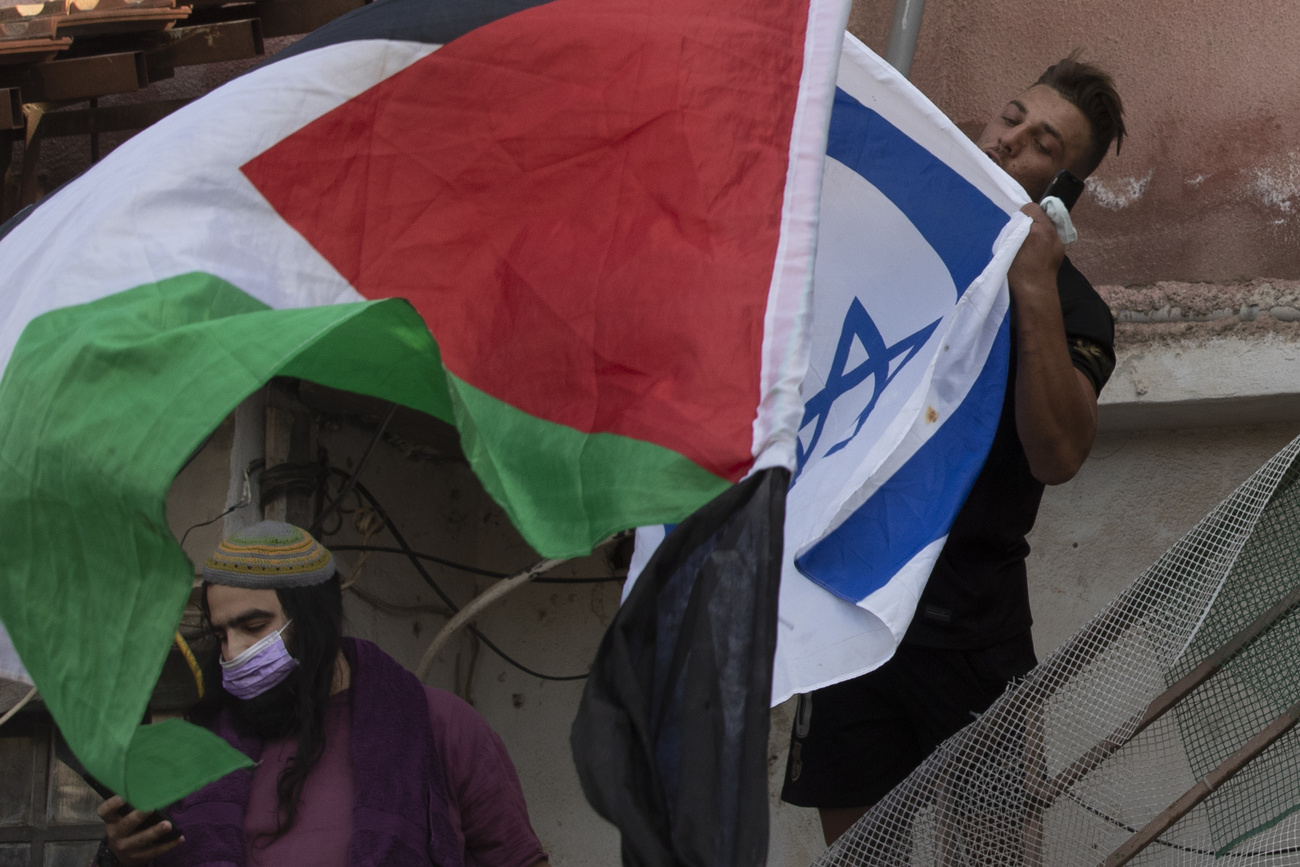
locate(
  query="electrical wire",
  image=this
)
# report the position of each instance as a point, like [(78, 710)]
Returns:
[(1168, 845), (22, 702), (394, 608), (442, 594), (355, 474), (246, 498), (475, 607), (194, 454), (475, 570)]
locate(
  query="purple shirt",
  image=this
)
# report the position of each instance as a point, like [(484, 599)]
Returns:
[(486, 801)]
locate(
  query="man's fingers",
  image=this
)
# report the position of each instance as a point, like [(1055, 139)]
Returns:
[(149, 836), (108, 809), (127, 825), (1034, 211), (142, 843), (155, 851)]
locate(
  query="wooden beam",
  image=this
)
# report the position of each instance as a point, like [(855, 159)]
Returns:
[(8, 183), (205, 43), (291, 17), (119, 20), (11, 108), (1226, 770), (84, 77), (29, 189), (16, 51), (116, 118), (28, 27)]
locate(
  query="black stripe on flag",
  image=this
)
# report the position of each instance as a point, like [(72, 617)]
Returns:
[(434, 22), (670, 740)]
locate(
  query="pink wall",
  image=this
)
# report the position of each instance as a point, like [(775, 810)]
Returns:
[(1207, 187)]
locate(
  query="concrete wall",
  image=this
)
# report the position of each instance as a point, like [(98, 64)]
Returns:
[(441, 509), (1205, 189), (1142, 490)]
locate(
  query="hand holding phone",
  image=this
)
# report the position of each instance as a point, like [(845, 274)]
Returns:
[(132, 837)]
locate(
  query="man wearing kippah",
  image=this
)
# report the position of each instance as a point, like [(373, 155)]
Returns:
[(358, 762)]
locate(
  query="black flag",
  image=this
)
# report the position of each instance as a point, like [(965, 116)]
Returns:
[(671, 736)]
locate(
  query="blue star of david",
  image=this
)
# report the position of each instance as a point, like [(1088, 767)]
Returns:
[(857, 324)]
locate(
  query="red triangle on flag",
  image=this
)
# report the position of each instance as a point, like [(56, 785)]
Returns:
[(583, 200)]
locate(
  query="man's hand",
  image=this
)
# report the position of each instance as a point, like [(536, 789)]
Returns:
[(1056, 407), (1035, 266), (131, 843)]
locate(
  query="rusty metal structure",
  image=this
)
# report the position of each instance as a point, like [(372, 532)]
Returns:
[(86, 67)]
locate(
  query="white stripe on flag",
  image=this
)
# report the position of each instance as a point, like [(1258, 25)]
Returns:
[(172, 200), (785, 343), (909, 331), (11, 667)]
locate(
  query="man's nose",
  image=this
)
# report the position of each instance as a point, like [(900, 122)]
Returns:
[(1013, 140), (235, 646)]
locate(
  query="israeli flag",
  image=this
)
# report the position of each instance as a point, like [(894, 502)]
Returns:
[(910, 341)]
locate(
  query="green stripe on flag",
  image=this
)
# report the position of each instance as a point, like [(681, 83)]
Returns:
[(100, 405), (565, 489)]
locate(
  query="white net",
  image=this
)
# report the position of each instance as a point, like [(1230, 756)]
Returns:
[(1161, 733)]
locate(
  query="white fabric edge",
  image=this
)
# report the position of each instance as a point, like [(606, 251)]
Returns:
[(11, 667), (849, 640), (85, 242), (789, 302)]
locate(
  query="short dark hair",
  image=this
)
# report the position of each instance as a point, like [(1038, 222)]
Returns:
[(1092, 91)]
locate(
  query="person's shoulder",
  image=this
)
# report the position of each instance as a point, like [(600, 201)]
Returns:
[(1085, 312), (1071, 282), (451, 715)]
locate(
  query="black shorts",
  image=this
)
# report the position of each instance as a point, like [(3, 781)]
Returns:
[(854, 741)]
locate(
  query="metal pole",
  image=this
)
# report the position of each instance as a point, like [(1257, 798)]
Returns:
[(903, 33)]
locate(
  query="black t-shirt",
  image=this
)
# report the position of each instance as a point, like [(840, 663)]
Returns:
[(978, 592)]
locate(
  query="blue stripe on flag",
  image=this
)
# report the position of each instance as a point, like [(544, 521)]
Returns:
[(957, 220), (886, 532)]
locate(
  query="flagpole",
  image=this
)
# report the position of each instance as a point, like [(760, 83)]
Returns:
[(903, 33)]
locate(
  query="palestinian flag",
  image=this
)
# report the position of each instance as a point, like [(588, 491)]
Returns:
[(581, 230)]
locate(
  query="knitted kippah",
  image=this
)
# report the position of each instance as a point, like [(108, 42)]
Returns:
[(267, 556)]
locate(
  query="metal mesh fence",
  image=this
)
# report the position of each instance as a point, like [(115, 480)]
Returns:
[(1161, 733)]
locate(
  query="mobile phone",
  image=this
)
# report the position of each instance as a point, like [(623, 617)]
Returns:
[(153, 819), (64, 754), (1065, 187)]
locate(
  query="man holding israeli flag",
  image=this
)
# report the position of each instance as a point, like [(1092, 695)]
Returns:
[(903, 407)]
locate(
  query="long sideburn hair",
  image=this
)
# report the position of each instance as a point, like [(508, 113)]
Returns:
[(313, 640)]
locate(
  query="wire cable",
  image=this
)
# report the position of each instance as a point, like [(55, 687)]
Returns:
[(245, 499), (475, 570), (355, 474), (1169, 845), (22, 702), (442, 594), (475, 607)]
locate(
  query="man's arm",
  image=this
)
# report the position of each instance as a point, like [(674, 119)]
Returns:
[(1056, 407)]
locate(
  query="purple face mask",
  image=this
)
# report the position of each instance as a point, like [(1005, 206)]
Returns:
[(260, 667)]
